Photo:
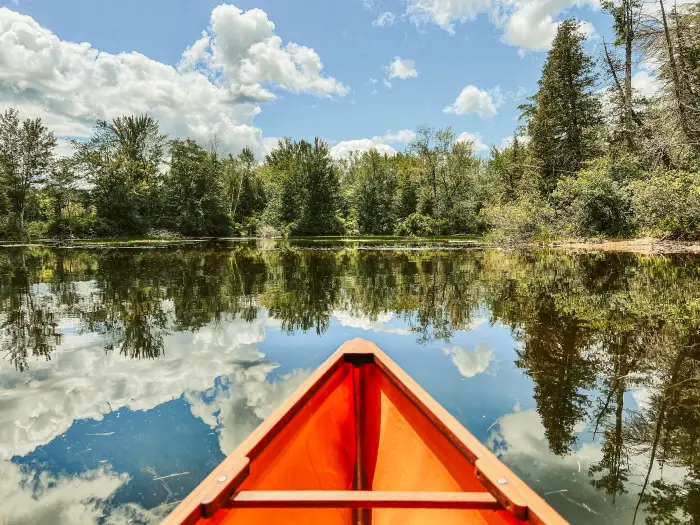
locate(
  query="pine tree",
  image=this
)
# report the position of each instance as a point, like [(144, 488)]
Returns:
[(564, 117)]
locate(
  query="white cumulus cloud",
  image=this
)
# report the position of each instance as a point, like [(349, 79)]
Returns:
[(474, 138), (527, 24), (445, 13), (531, 24), (403, 69), (645, 84), (475, 100), (216, 87), (380, 143)]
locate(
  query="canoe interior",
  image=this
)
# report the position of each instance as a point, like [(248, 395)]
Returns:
[(355, 430)]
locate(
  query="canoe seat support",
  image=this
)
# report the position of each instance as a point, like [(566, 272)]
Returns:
[(356, 499)]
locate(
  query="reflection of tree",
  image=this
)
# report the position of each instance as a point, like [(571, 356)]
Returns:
[(28, 323), (668, 430), (302, 289), (554, 355)]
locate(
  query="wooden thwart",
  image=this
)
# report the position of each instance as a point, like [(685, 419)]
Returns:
[(363, 499)]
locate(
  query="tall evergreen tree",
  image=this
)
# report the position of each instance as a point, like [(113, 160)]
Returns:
[(564, 116)]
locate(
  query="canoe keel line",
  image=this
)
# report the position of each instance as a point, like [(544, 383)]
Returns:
[(361, 443)]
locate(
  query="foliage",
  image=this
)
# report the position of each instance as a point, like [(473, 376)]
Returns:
[(26, 153), (529, 219), (418, 225), (596, 200), (303, 188), (668, 204), (563, 117), (372, 181), (192, 192)]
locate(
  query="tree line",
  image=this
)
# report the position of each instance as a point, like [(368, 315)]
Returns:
[(592, 157)]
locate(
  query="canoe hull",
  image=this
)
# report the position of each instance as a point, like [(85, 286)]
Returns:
[(361, 442)]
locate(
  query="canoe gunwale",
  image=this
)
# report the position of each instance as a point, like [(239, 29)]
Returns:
[(503, 486)]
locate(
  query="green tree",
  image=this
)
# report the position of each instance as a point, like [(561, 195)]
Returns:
[(373, 192), (26, 155), (192, 192), (304, 188), (563, 118), (242, 187), (122, 161), (505, 170)]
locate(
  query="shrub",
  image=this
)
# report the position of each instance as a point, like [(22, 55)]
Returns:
[(418, 225), (269, 231), (597, 199), (526, 220), (668, 204), (37, 229)]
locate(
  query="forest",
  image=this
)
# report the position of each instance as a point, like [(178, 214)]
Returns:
[(590, 158)]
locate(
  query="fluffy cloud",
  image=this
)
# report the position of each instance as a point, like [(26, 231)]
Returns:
[(527, 24), (471, 362), (445, 12), (474, 138), (380, 143), (402, 69), (216, 87), (475, 100), (530, 24), (384, 20)]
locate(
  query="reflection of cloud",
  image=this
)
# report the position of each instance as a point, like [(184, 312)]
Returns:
[(242, 401), (78, 500), (519, 440), (83, 381), (471, 362), (379, 324)]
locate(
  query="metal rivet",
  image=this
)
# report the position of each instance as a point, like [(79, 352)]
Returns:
[(501, 481), (221, 479)]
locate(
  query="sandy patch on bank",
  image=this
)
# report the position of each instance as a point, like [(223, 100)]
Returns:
[(646, 245)]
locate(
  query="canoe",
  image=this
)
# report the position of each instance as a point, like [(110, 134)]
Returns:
[(358, 443)]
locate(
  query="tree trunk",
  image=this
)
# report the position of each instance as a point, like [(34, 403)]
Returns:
[(629, 36), (675, 76)]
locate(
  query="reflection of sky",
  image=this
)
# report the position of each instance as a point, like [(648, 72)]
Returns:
[(85, 437)]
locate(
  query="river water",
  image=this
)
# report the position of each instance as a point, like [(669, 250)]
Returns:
[(128, 374)]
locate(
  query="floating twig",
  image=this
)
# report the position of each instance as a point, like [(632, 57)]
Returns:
[(170, 475)]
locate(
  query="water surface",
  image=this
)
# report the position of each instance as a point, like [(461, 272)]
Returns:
[(128, 374)]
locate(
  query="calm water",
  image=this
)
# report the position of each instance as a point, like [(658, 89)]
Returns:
[(128, 374)]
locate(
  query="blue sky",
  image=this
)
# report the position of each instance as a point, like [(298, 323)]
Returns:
[(256, 75)]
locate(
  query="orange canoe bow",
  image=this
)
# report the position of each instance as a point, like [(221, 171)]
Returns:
[(358, 443)]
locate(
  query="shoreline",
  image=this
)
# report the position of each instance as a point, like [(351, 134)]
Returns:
[(641, 245)]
